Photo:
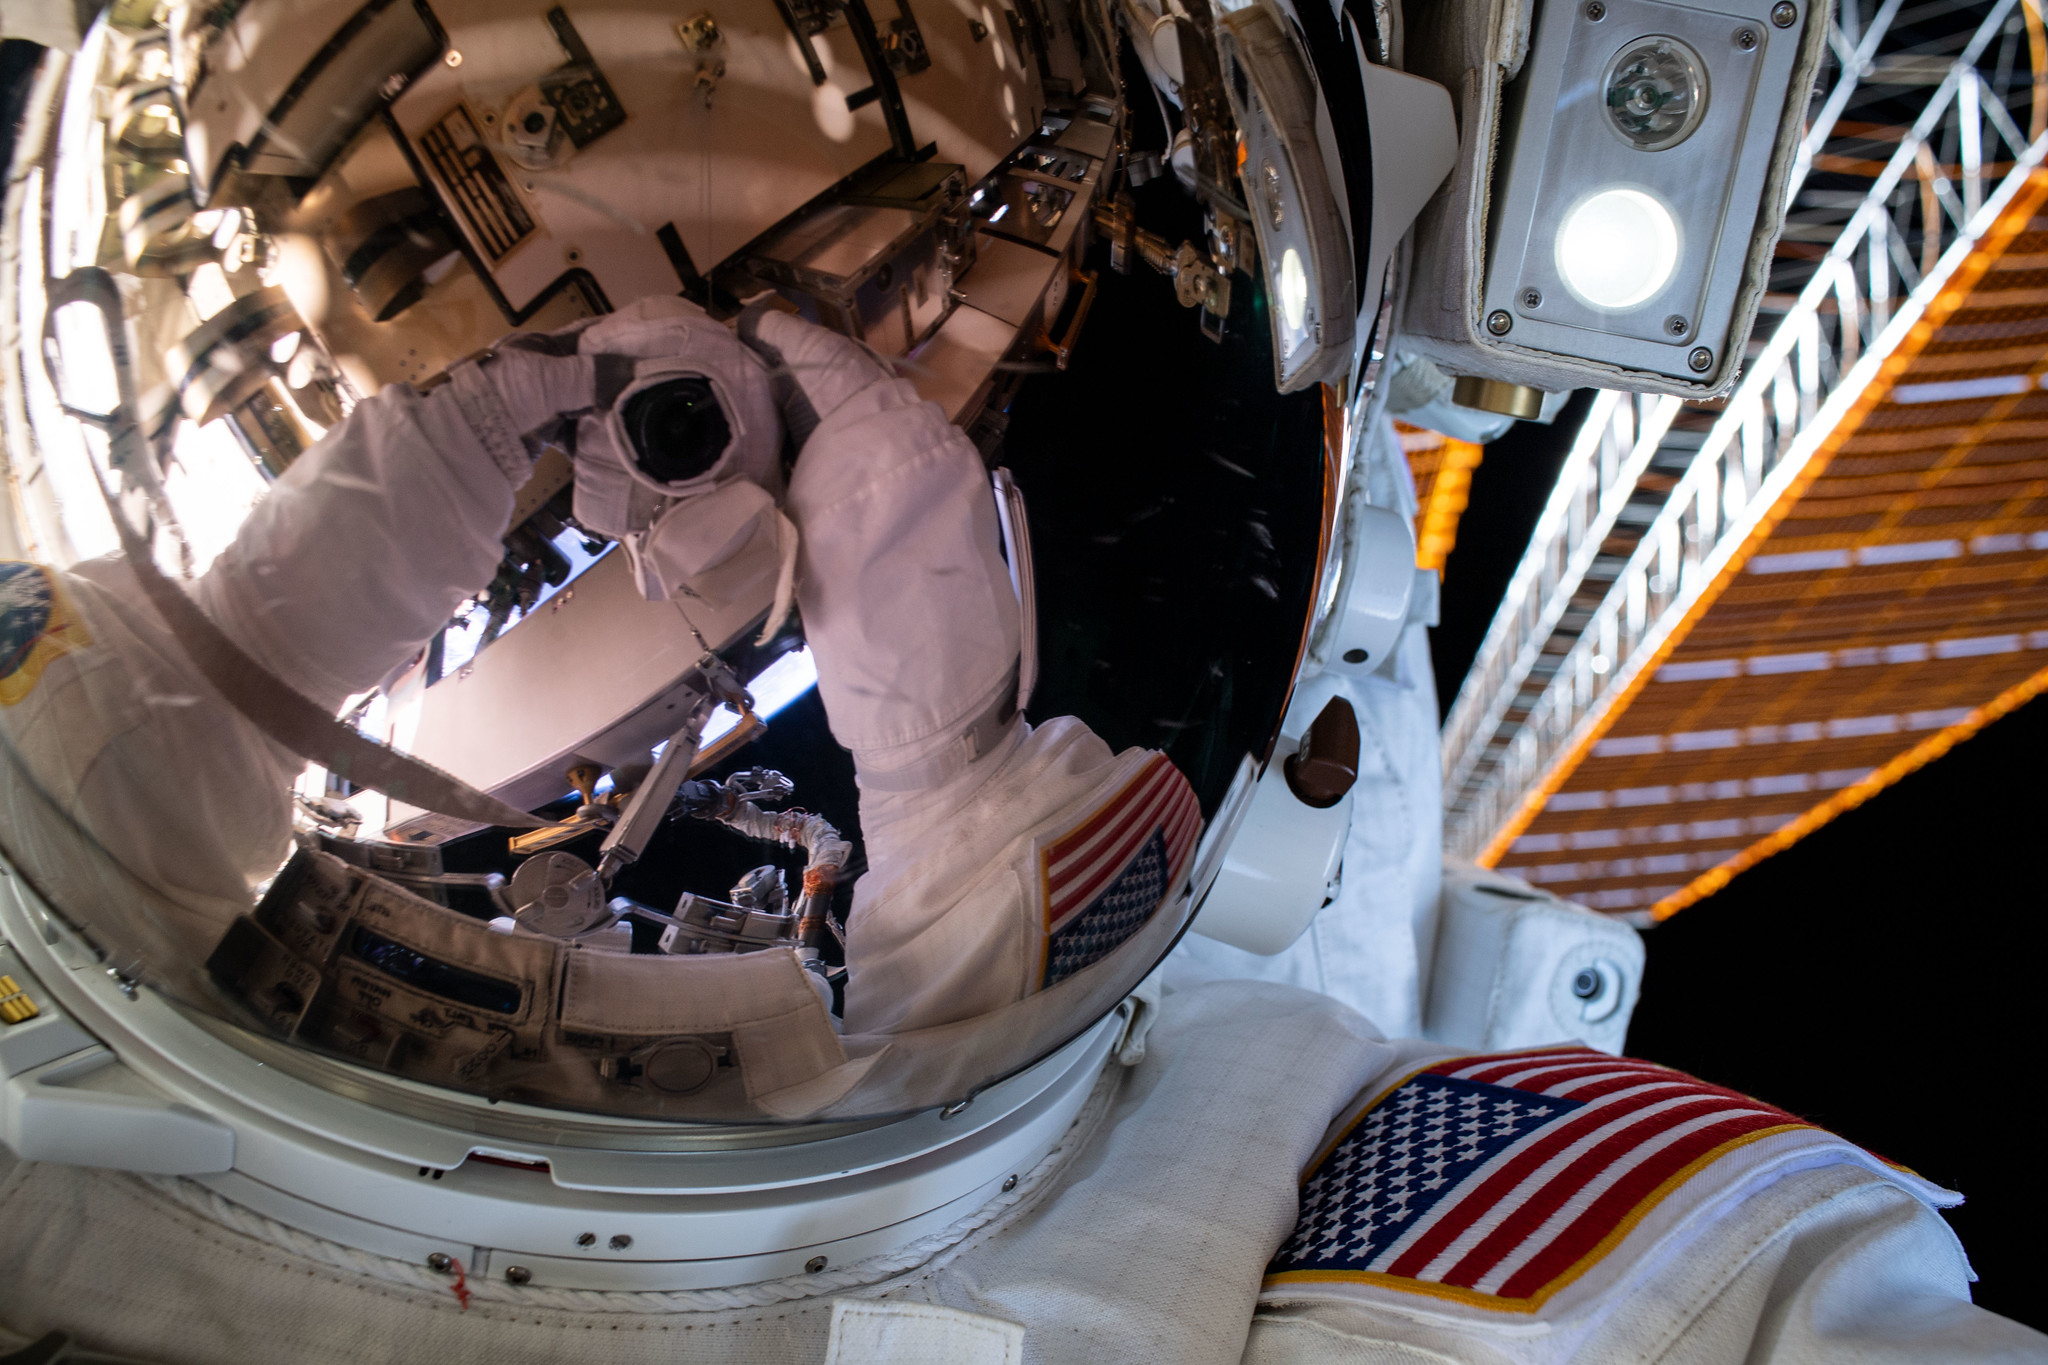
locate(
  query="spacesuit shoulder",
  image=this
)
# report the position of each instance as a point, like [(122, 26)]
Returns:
[(39, 624), (60, 630), (1551, 1186)]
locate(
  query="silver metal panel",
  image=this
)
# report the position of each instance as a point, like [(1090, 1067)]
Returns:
[(595, 672), (1706, 181)]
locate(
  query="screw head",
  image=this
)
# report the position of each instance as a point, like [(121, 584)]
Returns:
[(453, 58), (620, 1241), (586, 1239), (1747, 39), (815, 1264), (517, 1274), (1532, 298), (1586, 984), (1701, 359), (1009, 1184), (1594, 11), (1675, 324), (440, 1262), (1784, 13), (1498, 322)]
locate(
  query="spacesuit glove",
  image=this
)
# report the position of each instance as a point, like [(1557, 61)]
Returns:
[(510, 394), (815, 371)]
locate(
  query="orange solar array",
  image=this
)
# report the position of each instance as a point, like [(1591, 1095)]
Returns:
[(1443, 479), (1893, 602)]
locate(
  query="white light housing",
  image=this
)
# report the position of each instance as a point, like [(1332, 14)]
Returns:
[(1619, 190), (1617, 249), (1304, 247), (1628, 200)]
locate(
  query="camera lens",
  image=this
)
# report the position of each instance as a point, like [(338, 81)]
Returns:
[(677, 429), (1656, 93)]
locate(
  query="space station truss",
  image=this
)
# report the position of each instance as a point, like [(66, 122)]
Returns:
[(1736, 621)]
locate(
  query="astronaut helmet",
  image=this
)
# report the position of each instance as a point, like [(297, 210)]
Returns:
[(630, 599)]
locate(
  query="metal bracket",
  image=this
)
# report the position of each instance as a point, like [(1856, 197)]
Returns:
[(582, 97), (1062, 350), (806, 20)]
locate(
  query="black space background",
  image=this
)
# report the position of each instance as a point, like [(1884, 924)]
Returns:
[(1884, 977)]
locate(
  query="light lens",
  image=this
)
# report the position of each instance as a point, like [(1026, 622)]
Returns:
[(1617, 249), (1656, 93), (1293, 289)]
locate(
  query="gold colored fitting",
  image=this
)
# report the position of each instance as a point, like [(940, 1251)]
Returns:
[(1490, 395), (15, 1008)]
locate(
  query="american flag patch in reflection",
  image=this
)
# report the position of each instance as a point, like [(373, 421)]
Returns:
[(1103, 879), (1499, 1180)]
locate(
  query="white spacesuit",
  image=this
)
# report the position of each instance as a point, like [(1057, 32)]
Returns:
[(1261, 1174), (985, 869)]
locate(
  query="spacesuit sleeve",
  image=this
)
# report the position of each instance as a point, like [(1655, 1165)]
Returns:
[(905, 597), (133, 792), (1002, 858), (1871, 1276), (366, 544)]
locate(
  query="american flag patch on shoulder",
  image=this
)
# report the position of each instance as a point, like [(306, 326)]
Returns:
[(1103, 879), (1497, 1181)]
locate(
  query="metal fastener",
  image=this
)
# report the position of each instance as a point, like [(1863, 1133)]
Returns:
[(1595, 12), (956, 1109), (1747, 39), (586, 1239), (1586, 984), (453, 58), (620, 1241), (1783, 13), (1498, 322), (1701, 359), (1532, 298), (816, 1264), (1009, 1184), (517, 1274), (1676, 324), (440, 1262)]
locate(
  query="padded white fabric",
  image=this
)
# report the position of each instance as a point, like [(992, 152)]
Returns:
[(1146, 1243), (886, 1333)]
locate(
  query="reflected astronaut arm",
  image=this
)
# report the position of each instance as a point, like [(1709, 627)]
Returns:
[(910, 614), (365, 546), (127, 773), (906, 601)]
